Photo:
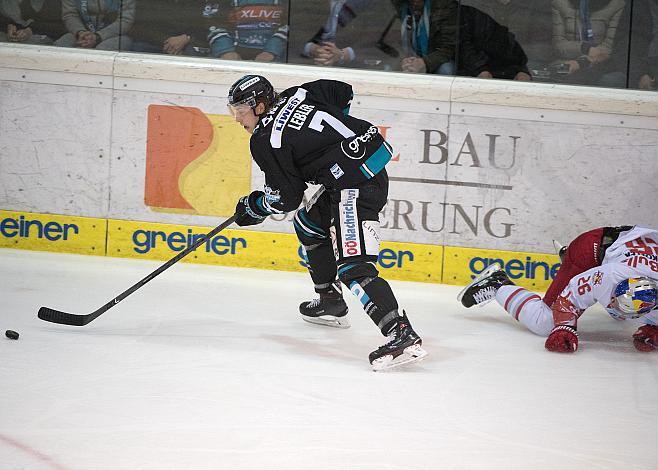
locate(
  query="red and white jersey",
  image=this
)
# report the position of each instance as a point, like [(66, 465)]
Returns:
[(638, 241), (634, 254)]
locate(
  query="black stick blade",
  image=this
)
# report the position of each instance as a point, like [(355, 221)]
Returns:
[(63, 318)]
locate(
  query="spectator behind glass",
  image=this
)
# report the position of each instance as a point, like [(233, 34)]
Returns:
[(322, 47), (644, 45), (31, 21), (647, 80), (176, 27), (99, 24), (254, 29), (486, 48), (529, 20), (583, 38), (428, 35)]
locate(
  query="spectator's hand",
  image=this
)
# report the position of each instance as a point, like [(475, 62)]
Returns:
[(264, 57), (312, 49), (413, 65), (328, 53), (646, 82), (176, 44), (485, 74), (24, 34), (230, 56), (573, 66), (15, 34), (87, 39), (523, 77), (12, 32), (597, 54)]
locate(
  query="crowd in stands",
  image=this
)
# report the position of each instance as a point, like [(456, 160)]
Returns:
[(611, 43)]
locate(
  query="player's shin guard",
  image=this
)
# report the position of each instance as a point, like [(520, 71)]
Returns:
[(329, 309), (317, 249), (373, 292), (379, 303)]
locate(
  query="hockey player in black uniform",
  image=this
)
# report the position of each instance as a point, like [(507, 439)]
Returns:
[(305, 135)]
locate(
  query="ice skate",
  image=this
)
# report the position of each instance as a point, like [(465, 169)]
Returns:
[(483, 288), (560, 249), (404, 346), (325, 311)]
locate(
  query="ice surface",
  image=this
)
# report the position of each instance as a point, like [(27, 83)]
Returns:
[(212, 368)]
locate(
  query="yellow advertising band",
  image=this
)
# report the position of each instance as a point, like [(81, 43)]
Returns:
[(263, 250)]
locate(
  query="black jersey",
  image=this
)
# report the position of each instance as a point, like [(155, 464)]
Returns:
[(309, 137)]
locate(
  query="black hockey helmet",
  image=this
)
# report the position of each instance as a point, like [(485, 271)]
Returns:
[(249, 91)]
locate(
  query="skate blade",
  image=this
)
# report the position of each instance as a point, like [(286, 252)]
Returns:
[(493, 268), (410, 354), (328, 320)]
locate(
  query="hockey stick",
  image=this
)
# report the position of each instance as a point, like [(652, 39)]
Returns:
[(64, 318), (383, 46)]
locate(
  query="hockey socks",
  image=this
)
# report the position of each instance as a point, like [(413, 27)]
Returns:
[(527, 308), (378, 301)]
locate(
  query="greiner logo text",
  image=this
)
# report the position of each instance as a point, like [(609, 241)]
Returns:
[(387, 258), (147, 240), (516, 268), (24, 228)]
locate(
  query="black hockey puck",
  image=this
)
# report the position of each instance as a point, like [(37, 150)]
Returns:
[(11, 334)]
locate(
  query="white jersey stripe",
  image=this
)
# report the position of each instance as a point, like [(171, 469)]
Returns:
[(284, 115)]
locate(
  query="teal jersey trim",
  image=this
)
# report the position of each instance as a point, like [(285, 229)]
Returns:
[(344, 268), (377, 161)]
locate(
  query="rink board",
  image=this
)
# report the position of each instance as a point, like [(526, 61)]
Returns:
[(477, 163), (262, 250), (47, 232), (534, 271)]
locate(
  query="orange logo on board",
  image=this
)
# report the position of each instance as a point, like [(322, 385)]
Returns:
[(196, 163)]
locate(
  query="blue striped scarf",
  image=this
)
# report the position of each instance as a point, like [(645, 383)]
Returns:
[(416, 43)]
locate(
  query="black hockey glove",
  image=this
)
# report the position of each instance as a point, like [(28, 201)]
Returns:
[(250, 210)]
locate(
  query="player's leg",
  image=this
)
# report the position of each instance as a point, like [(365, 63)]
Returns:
[(355, 233), (527, 308), (583, 253), (524, 306), (312, 228)]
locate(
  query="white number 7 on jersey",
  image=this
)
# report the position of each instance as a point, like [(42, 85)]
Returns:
[(319, 116)]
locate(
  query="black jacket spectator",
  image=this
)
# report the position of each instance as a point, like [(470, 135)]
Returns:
[(442, 31), (484, 45), (636, 44), (43, 19), (173, 26), (529, 20)]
